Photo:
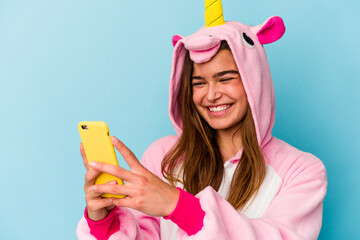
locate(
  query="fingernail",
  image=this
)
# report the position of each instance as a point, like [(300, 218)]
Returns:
[(112, 182), (94, 188), (93, 164)]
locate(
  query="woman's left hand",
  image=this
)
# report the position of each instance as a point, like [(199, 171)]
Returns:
[(146, 192)]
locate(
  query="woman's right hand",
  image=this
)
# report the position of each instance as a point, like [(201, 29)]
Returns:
[(97, 207)]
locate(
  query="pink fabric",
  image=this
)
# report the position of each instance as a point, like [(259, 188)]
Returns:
[(188, 214), (103, 229), (133, 225), (202, 47), (271, 31), (175, 39), (204, 56)]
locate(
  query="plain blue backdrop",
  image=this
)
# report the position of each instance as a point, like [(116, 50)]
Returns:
[(65, 61)]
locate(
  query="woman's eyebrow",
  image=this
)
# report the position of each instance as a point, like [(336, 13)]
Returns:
[(219, 74)]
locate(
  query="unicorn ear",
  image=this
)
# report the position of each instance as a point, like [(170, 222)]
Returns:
[(270, 31), (176, 38)]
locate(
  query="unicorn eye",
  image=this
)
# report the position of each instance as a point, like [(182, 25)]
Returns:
[(247, 41)]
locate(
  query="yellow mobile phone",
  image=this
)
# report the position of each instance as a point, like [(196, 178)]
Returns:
[(96, 140)]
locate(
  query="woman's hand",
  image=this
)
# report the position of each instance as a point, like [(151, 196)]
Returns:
[(97, 207), (146, 192)]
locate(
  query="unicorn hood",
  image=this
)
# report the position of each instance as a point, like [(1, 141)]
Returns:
[(246, 44)]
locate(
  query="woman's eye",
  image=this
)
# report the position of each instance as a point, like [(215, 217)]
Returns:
[(225, 79), (197, 84)]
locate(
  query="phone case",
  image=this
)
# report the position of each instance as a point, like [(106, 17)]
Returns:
[(96, 140)]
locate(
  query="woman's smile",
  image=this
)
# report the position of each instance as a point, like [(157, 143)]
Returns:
[(220, 108)]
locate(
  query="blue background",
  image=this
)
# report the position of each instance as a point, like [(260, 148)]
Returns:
[(65, 61)]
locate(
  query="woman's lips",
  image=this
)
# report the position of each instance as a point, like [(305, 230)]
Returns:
[(220, 108)]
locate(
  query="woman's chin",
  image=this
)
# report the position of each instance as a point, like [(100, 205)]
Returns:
[(223, 127)]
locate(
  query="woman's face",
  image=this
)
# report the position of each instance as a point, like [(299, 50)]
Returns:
[(218, 92)]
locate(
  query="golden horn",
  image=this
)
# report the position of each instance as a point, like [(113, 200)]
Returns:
[(213, 13)]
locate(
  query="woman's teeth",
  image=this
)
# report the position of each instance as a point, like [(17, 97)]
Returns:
[(219, 108)]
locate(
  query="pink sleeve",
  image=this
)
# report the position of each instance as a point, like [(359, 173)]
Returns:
[(294, 214), (103, 229), (188, 214), (132, 225)]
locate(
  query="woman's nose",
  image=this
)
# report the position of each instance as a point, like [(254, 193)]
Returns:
[(213, 93)]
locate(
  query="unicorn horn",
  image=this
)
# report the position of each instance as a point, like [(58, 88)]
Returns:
[(213, 13)]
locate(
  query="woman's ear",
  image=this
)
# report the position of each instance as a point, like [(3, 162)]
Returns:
[(270, 31), (176, 38)]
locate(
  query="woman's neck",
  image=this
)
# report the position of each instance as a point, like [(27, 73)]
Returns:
[(229, 143)]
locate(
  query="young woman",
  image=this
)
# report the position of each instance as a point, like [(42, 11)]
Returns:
[(223, 176)]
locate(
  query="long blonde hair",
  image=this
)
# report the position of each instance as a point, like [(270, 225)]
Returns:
[(197, 148)]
